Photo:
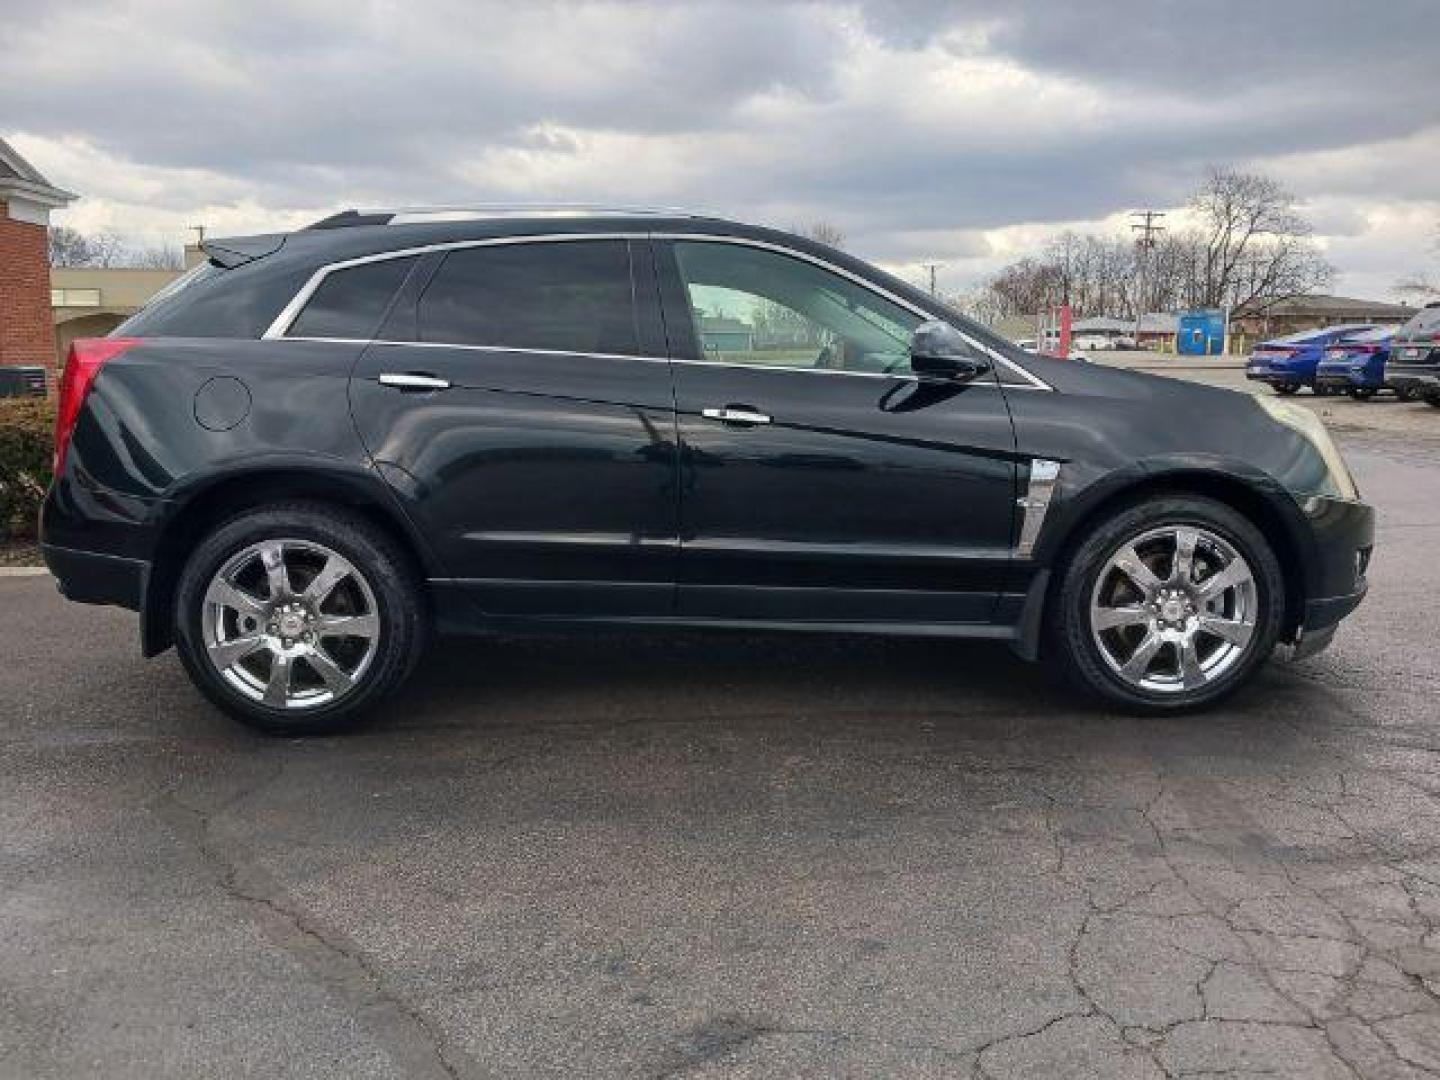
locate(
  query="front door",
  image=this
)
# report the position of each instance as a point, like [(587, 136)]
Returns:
[(520, 405), (822, 480)]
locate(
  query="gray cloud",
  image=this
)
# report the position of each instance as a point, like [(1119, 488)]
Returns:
[(903, 121)]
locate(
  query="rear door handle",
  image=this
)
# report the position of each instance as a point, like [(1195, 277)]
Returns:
[(409, 380), (735, 414)]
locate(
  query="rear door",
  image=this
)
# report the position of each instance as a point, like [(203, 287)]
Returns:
[(518, 400)]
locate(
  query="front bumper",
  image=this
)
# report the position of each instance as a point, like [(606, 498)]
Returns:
[(1343, 539)]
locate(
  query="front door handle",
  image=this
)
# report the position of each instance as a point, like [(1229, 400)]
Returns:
[(735, 414), (409, 380)]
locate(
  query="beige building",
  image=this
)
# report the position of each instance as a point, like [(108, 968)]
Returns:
[(91, 301)]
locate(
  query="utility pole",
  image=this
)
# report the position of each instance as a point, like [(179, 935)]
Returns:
[(199, 231), (1148, 230), (932, 267)]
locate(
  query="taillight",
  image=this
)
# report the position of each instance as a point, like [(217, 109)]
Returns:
[(87, 356)]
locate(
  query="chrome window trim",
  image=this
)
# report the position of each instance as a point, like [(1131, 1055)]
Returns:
[(901, 376), (291, 311)]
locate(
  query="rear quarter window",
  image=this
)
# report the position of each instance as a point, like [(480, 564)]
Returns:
[(353, 301)]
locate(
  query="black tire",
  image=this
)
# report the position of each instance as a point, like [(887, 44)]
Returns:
[(386, 569), (1409, 393), (1320, 391), (1286, 389), (1433, 400), (1069, 631), (1362, 393)]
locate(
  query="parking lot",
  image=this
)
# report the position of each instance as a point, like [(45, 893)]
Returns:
[(696, 855)]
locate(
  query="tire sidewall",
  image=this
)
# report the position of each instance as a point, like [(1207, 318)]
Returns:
[(1081, 652), (395, 602)]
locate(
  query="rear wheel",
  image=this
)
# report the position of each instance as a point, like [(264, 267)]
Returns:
[(1169, 605), (1362, 393), (296, 618), (1286, 389)]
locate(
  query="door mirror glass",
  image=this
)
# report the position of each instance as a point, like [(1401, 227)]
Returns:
[(938, 350)]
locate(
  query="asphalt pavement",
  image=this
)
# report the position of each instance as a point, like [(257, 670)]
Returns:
[(709, 855)]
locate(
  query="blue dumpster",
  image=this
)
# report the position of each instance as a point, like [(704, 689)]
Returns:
[(1201, 333)]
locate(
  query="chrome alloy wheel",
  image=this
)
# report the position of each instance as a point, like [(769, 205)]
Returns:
[(1174, 609), (291, 624)]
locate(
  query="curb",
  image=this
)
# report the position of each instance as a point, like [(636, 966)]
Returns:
[(22, 571)]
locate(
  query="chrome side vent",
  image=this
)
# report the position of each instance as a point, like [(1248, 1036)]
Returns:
[(1044, 474)]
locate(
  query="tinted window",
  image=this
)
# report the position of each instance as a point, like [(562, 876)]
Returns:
[(566, 296), (350, 303), (752, 306)]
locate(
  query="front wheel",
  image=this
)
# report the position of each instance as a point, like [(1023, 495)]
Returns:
[(1286, 389), (1168, 605), (1362, 393), (295, 618)]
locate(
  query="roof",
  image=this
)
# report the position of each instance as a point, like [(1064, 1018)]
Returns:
[(1320, 305), (19, 177), (1102, 324), (1159, 322)]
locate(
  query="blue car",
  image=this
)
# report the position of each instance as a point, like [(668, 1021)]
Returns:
[(1288, 363), (1355, 364)]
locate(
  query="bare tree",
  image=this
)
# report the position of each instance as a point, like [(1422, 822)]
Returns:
[(69, 247), (163, 257), (1254, 245), (1420, 286), (822, 232)]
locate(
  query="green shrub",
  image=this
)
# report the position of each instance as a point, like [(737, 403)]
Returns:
[(27, 433)]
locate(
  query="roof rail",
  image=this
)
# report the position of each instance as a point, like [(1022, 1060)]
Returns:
[(409, 215)]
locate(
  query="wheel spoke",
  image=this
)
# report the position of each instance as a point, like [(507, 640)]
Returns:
[(361, 626), (1234, 631), (335, 678), (226, 654), (1111, 618), (1182, 572), (331, 574), (277, 690), (1191, 674), (231, 596), (1237, 573), (272, 555), (1129, 563), (1139, 662)]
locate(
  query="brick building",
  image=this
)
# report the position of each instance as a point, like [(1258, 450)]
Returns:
[(27, 335)]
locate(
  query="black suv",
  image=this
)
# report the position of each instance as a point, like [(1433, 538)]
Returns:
[(1414, 366), (319, 447)]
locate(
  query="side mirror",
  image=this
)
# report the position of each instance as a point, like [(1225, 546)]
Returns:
[(937, 350)]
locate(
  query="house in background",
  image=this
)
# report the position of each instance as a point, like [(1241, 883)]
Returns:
[(27, 337), (720, 333), (90, 301), (1250, 323)]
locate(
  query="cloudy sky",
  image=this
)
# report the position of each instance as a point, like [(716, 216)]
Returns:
[(964, 132)]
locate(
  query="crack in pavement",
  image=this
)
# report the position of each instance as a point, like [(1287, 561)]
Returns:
[(351, 977)]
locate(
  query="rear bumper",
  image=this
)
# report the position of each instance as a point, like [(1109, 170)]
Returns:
[(1278, 377), (1420, 377), (89, 577)]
